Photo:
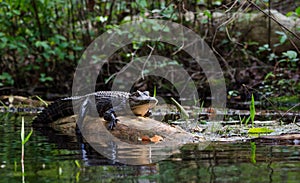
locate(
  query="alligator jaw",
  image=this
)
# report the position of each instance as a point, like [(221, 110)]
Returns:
[(143, 109)]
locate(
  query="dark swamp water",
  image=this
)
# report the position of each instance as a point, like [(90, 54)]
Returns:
[(58, 158)]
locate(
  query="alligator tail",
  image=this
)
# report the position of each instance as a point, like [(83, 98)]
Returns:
[(58, 109)]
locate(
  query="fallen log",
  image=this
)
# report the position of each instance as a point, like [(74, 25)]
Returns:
[(135, 140), (133, 130)]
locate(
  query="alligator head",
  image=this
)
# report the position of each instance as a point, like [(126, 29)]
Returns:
[(141, 102)]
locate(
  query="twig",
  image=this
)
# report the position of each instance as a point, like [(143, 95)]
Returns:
[(148, 57), (290, 110)]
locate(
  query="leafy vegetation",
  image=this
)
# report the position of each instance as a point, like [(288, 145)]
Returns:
[(262, 130), (252, 111), (42, 41)]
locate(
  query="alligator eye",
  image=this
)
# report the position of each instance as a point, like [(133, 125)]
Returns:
[(147, 93), (140, 93)]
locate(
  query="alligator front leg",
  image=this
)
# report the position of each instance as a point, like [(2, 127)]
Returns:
[(111, 117)]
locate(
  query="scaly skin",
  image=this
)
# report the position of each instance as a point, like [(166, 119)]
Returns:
[(108, 103)]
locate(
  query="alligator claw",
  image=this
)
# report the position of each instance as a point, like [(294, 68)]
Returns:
[(112, 124), (149, 113), (111, 117)]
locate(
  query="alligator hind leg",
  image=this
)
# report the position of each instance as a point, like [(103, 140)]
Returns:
[(111, 117)]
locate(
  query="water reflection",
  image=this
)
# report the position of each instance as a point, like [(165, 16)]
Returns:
[(51, 156)]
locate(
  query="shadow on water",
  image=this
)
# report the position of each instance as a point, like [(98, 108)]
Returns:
[(54, 157)]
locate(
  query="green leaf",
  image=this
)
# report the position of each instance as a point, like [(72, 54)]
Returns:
[(217, 3), (7, 78), (3, 42), (288, 14), (43, 78), (142, 3), (77, 48), (233, 93), (252, 109), (101, 18), (247, 120), (77, 164), (183, 112), (253, 152), (259, 130), (24, 140), (207, 13), (290, 54), (43, 101), (64, 45), (283, 36), (60, 37), (298, 11), (282, 60), (154, 91), (272, 57), (4, 75), (16, 12), (43, 44), (270, 74), (27, 137), (265, 47)]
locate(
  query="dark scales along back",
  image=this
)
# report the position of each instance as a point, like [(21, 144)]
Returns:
[(58, 109), (64, 107)]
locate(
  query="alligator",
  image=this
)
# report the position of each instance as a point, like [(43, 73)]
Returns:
[(108, 104)]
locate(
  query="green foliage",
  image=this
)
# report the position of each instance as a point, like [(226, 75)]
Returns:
[(43, 101), (183, 113), (208, 14), (233, 93), (263, 48), (262, 130), (44, 79), (295, 13), (24, 139), (286, 61), (289, 56), (269, 75), (42, 41), (77, 164), (154, 91), (279, 81), (252, 111), (282, 37), (6, 79), (35, 37), (141, 3), (253, 152)]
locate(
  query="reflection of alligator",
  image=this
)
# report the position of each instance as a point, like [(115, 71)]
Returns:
[(108, 103)]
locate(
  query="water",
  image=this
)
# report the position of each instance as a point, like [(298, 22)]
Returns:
[(55, 157)]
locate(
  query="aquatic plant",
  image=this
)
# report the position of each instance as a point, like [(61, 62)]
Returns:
[(252, 112)]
